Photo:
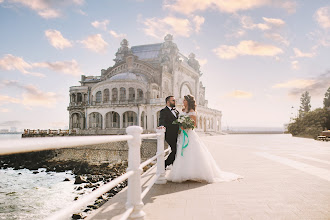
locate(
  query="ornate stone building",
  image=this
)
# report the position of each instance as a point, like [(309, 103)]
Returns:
[(133, 91)]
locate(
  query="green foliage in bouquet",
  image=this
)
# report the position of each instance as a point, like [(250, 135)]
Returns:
[(185, 122)]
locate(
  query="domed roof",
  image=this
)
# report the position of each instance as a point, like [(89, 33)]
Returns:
[(129, 77)]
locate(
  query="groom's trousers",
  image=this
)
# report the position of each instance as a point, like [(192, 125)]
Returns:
[(171, 157)]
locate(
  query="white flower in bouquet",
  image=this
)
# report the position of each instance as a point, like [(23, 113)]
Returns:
[(185, 122)]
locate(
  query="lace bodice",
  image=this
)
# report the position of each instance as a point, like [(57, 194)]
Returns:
[(189, 113)]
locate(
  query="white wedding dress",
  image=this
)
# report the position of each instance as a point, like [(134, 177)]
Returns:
[(197, 163)]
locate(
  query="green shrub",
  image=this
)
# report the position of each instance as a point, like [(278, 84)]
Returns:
[(311, 124)]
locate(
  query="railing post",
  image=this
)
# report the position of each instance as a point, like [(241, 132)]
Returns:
[(134, 182), (160, 159)]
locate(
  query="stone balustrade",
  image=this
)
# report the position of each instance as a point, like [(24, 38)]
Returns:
[(48, 133)]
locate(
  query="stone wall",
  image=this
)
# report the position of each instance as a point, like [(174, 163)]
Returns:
[(105, 153)]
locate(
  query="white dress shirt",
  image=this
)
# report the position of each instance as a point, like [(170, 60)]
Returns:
[(173, 112)]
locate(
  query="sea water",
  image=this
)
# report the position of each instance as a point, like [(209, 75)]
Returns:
[(25, 195)]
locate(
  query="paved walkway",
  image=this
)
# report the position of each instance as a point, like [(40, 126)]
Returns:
[(284, 178)]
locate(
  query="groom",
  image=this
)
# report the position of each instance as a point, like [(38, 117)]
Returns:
[(166, 117)]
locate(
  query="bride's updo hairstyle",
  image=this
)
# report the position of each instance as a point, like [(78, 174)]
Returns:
[(191, 102)]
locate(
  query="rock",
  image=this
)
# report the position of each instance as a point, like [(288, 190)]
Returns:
[(80, 179), (104, 164), (101, 197), (110, 195), (99, 202), (35, 172), (66, 179), (87, 210), (89, 185), (77, 216), (93, 206), (76, 198), (79, 188)]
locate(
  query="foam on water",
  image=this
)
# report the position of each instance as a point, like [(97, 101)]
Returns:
[(24, 195)]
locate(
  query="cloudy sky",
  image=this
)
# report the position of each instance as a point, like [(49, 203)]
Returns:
[(257, 56)]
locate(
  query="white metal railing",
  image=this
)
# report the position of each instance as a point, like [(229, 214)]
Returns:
[(134, 204)]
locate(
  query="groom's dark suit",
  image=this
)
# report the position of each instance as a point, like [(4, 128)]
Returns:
[(166, 117)]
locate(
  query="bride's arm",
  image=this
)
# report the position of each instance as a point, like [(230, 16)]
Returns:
[(193, 117)]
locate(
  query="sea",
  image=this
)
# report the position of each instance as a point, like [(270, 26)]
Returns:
[(25, 195)]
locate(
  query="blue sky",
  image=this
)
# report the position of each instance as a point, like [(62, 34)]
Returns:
[(257, 56)]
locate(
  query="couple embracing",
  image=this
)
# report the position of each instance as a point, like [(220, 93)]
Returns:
[(189, 158)]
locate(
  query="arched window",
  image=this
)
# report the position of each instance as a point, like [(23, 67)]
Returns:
[(75, 121), (79, 97), (129, 119), (114, 94), (95, 120), (185, 90), (112, 120), (106, 95), (140, 94), (73, 97), (122, 94), (131, 94), (98, 97)]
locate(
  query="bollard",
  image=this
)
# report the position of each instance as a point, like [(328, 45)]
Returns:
[(160, 159), (134, 182)]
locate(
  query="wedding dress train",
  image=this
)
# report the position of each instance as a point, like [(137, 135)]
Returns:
[(196, 163)]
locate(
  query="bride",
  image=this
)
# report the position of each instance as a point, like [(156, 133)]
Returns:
[(195, 161)]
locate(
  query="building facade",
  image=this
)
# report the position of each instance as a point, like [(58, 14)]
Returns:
[(133, 91)]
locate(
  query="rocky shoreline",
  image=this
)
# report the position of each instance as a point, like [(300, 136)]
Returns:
[(87, 176)]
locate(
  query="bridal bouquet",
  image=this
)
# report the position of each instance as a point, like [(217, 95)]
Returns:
[(185, 122)]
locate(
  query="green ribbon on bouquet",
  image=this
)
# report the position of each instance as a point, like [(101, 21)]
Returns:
[(184, 140)]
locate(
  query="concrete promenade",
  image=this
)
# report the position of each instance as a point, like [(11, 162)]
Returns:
[(284, 178)]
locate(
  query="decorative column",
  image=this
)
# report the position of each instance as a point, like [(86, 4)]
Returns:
[(134, 198), (103, 121), (155, 120), (122, 121), (138, 115)]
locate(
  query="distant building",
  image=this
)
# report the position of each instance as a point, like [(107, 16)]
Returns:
[(133, 91)]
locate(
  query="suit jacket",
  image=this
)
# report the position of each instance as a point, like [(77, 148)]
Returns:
[(166, 119)]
